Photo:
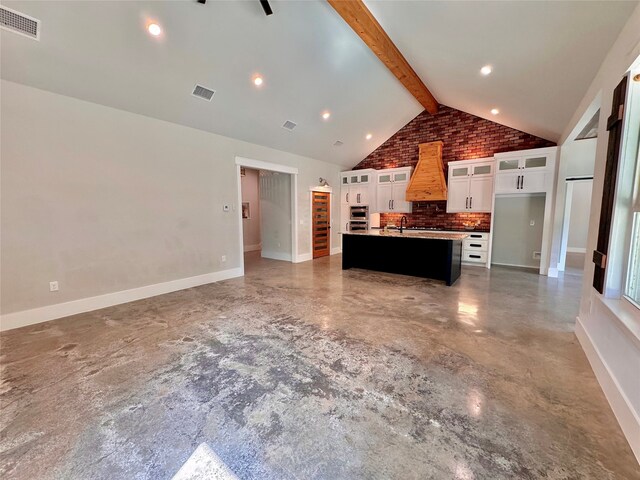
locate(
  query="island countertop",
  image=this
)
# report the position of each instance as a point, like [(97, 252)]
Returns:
[(410, 234)]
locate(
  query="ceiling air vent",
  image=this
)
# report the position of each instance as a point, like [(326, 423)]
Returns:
[(289, 125), (338, 143), (19, 23), (203, 92)]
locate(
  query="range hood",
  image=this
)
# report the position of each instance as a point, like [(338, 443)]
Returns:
[(427, 182)]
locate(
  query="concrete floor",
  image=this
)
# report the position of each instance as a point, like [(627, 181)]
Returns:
[(305, 371)]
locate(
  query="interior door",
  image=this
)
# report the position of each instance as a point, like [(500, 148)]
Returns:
[(480, 194), (321, 229)]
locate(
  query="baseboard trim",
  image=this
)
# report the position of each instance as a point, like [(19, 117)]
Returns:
[(553, 272), (576, 250), (336, 250), (277, 256), (252, 248), (625, 414), (304, 257), (10, 321)]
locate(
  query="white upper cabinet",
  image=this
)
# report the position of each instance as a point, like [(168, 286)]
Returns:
[(470, 185), (391, 190), (529, 171), (357, 187)]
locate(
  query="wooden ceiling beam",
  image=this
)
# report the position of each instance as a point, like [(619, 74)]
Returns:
[(360, 19)]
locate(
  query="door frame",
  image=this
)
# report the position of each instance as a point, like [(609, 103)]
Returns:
[(271, 167), (564, 235), (328, 190)]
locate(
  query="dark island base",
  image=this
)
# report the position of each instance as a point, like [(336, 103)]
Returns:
[(428, 258)]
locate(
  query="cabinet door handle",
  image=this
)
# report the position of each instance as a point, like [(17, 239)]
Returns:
[(389, 204), (346, 226), (470, 202), (521, 182), (466, 203), (347, 197)]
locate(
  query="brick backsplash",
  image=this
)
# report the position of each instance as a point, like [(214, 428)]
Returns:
[(465, 137)]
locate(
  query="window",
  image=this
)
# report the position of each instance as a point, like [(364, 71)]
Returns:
[(632, 290)]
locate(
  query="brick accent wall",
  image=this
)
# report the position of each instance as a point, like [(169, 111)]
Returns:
[(465, 137)]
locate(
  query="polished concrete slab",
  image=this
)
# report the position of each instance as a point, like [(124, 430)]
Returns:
[(305, 371)]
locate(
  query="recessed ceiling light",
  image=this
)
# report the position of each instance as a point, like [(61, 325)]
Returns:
[(369, 136), (495, 111), (326, 115), (257, 80), (154, 29), (486, 70)]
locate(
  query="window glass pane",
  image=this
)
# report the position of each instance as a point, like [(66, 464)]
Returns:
[(508, 164), (633, 279), (482, 170), (400, 177), (354, 179), (364, 178), (535, 162), (345, 181), (459, 172), (384, 178)]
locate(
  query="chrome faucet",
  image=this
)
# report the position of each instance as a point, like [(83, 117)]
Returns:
[(403, 219)]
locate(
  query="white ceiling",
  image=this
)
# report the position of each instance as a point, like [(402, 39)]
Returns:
[(544, 55)]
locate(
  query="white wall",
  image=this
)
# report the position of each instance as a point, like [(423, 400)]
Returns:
[(579, 216), (275, 204), (514, 238), (104, 200), (251, 226), (608, 327)]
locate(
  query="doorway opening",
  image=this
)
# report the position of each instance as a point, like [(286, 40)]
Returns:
[(575, 227), (266, 195)]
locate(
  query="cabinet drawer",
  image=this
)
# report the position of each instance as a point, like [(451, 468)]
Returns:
[(477, 236), (474, 257), (475, 245)]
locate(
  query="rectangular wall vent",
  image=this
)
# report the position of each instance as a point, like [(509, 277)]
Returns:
[(203, 92), (289, 125), (19, 23)]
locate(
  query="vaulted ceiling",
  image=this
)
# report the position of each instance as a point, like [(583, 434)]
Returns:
[(544, 55)]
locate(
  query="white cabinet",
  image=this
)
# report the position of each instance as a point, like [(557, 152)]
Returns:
[(470, 185), (391, 190), (523, 172), (357, 187), (475, 248)]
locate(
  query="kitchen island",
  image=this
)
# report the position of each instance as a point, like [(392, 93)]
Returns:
[(435, 255)]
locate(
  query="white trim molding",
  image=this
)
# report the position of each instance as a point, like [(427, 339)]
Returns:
[(620, 404), (336, 250), (286, 257), (10, 321), (260, 165)]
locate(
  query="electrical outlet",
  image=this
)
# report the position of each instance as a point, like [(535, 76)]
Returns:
[(226, 208), (532, 223), (536, 255), (53, 286), (223, 258)]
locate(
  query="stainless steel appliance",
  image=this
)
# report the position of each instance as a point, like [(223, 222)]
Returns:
[(359, 218)]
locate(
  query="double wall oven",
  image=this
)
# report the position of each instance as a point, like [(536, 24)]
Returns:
[(359, 218)]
